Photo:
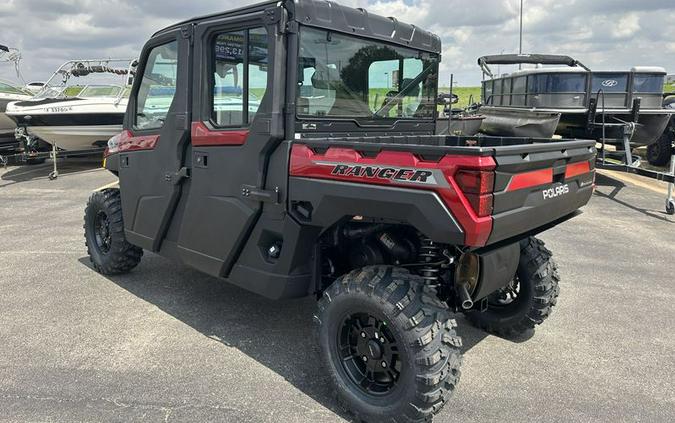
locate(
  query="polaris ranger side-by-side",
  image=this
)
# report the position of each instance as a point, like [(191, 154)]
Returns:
[(289, 148)]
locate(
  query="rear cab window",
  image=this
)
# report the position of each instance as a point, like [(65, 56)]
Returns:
[(342, 76)]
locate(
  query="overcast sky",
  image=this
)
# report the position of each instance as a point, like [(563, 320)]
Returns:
[(603, 34)]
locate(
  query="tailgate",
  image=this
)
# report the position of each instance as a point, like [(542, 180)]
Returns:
[(537, 184)]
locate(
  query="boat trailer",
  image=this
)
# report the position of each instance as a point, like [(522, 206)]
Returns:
[(623, 160), (54, 154)]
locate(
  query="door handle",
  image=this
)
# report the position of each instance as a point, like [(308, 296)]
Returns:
[(201, 160), (177, 177), (270, 196)]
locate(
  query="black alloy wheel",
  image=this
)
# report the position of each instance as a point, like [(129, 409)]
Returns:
[(369, 353), (102, 231)]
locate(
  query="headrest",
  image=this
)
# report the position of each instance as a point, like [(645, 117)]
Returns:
[(325, 78)]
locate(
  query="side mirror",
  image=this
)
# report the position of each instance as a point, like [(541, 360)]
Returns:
[(446, 98)]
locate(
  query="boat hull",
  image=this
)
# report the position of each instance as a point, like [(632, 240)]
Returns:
[(463, 125), (518, 123), (649, 129), (70, 124), (71, 138), (8, 142)]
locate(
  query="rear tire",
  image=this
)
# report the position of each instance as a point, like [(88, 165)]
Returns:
[(658, 154), (389, 345), (108, 249), (536, 283)]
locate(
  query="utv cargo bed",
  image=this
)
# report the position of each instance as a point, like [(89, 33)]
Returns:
[(495, 188)]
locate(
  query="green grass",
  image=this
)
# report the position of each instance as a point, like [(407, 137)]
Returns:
[(464, 93), (669, 88), (72, 91)]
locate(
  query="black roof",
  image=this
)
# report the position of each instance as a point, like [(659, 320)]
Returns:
[(333, 16), (514, 59), (534, 59)]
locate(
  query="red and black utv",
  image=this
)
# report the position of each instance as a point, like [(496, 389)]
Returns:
[(288, 148)]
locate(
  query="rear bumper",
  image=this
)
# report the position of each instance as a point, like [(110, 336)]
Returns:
[(519, 221)]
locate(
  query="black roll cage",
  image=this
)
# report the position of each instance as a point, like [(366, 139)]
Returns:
[(287, 16)]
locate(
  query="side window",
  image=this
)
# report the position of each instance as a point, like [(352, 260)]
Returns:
[(257, 69), (239, 79), (385, 81), (157, 88), (313, 100)]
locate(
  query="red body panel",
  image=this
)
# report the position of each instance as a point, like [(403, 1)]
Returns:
[(128, 142), (576, 169), (530, 179), (306, 163), (203, 136)]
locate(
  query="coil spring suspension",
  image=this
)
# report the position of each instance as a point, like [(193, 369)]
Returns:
[(431, 258)]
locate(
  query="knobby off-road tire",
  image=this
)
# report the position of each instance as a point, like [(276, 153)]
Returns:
[(108, 249), (658, 154), (538, 279), (401, 317)]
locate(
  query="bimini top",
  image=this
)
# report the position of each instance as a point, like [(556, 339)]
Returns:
[(534, 59), (333, 16)]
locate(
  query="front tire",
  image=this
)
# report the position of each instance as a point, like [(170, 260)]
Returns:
[(108, 249), (528, 300), (389, 345)]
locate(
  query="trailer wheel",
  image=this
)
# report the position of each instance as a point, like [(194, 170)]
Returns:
[(528, 299), (389, 345), (659, 153), (108, 249)]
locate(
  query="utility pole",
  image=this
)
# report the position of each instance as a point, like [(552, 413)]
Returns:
[(520, 45)]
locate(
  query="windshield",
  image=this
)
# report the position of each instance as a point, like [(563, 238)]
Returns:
[(89, 78), (344, 76), (10, 89)]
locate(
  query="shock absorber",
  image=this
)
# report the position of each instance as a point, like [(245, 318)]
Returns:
[(430, 258)]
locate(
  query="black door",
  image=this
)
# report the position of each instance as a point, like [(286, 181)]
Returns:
[(233, 117), (158, 116)]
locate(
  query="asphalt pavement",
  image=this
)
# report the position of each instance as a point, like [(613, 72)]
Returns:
[(166, 343)]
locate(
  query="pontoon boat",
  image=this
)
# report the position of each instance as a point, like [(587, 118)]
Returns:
[(590, 104)]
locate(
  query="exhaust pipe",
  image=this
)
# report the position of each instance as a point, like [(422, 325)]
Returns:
[(464, 296), (466, 278)]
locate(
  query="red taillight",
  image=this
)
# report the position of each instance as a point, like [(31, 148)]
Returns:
[(475, 181), (477, 186)]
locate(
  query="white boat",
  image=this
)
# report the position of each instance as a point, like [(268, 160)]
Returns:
[(9, 92), (74, 116)]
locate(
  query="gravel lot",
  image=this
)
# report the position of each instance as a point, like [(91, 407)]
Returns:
[(168, 343)]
